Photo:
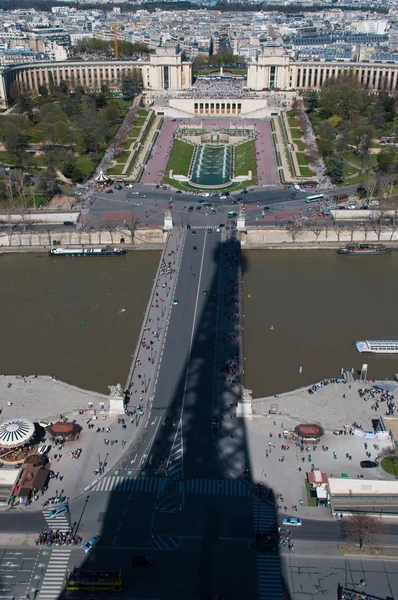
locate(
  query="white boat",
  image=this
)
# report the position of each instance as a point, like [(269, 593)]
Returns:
[(377, 346)]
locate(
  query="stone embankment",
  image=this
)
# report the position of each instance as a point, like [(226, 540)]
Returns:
[(262, 237), (143, 239)]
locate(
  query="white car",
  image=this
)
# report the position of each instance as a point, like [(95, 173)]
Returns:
[(91, 543), (352, 206), (223, 197), (205, 195), (135, 193)]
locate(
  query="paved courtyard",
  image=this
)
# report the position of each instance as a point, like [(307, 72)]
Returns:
[(327, 407)]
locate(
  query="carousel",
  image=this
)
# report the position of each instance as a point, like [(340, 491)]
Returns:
[(16, 435)]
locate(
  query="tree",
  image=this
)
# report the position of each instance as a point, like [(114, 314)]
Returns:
[(370, 184), (387, 160), (334, 121), (43, 90), (294, 228), (312, 102), (336, 169), (47, 184), (363, 528), (325, 138), (316, 226), (62, 133)]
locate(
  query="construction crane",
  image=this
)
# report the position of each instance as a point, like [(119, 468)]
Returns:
[(115, 40)]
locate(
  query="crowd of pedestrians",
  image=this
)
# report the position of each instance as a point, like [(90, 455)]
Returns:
[(58, 538), (378, 395)]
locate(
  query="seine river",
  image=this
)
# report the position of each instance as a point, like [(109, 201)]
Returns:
[(317, 303), (78, 319)]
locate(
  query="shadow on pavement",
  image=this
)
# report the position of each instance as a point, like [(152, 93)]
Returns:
[(193, 507)]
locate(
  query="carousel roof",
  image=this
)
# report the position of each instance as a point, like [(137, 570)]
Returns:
[(16, 432), (101, 176)]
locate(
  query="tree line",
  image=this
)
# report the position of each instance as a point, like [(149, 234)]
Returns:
[(348, 119), (105, 48)]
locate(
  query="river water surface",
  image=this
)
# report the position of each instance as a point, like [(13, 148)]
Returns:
[(318, 302), (76, 318)]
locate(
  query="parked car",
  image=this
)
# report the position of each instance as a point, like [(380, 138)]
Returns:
[(175, 300), (293, 521), (91, 543), (190, 209), (109, 192)]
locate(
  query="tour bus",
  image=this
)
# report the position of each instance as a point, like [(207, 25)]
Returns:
[(91, 580), (315, 198)]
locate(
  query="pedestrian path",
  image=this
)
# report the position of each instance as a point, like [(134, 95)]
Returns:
[(269, 577), (129, 484), (57, 523), (54, 579), (220, 487), (263, 515)]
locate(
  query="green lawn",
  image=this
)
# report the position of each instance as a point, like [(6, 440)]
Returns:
[(140, 121), (290, 113), (306, 172), (349, 170), (389, 465), (135, 132), (116, 170), (123, 157), (180, 158), (245, 160), (142, 112), (301, 146), (302, 159), (292, 122), (296, 133)]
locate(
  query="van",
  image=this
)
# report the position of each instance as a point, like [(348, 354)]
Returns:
[(231, 215)]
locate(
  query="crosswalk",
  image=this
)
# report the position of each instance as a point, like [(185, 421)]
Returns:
[(57, 523), (165, 542), (221, 487), (269, 577), (129, 484), (263, 515), (171, 498), (54, 579)]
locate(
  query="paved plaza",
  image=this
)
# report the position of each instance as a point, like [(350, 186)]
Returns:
[(333, 407)]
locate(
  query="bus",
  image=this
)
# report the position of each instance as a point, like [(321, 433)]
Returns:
[(93, 580), (314, 198)]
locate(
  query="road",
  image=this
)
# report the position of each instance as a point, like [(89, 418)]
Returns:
[(147, 204)]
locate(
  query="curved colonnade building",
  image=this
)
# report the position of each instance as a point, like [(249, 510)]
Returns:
[(167, 71)]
